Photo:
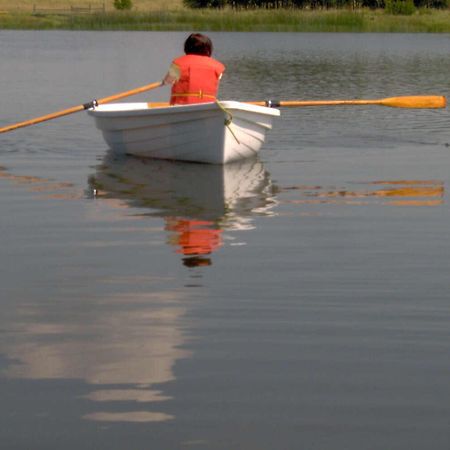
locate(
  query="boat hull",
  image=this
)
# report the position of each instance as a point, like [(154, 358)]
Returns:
[(205, 132)]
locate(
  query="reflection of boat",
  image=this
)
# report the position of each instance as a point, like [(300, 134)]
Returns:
[(207, 132), (197, 201)]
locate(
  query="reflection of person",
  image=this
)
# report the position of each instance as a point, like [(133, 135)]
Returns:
[(195, 76), (194, 237)]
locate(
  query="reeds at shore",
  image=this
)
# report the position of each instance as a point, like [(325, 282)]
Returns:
[(427, 21)]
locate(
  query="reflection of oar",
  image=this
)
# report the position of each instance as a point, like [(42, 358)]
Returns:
[(75, 109), (415, 101)]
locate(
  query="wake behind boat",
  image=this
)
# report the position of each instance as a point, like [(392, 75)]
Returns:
[(215, 133)]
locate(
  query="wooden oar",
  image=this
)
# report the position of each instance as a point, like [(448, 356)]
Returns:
[(82, 107), (415, 101)]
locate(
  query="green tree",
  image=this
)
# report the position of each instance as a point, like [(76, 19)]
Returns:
[(123, 5), (400, 7)]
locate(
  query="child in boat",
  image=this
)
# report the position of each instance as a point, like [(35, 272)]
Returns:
[(195, 76)]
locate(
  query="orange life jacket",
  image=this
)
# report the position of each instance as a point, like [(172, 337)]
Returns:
[(199, 80)]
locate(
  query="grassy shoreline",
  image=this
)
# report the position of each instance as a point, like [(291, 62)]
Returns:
[(428, 21)]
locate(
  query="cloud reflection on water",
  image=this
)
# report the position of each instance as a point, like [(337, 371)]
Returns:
[(124, 344)]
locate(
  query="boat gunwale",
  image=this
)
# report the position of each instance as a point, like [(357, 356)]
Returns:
[(142, 109)]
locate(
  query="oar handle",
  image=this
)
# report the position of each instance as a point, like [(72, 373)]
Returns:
[(82, 107), (138, 90)]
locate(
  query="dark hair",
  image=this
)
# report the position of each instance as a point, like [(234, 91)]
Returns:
[(198, 44)]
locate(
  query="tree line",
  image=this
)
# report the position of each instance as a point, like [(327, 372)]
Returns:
[(317, 4)]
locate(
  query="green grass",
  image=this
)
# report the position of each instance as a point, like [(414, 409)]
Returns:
[(228, 20)]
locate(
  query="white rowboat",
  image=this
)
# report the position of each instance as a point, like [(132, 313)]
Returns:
[(206, 132)]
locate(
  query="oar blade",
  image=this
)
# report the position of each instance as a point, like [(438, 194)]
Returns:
[(416, 101)]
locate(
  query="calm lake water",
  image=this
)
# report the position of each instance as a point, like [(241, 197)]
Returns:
[(300, 301)]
